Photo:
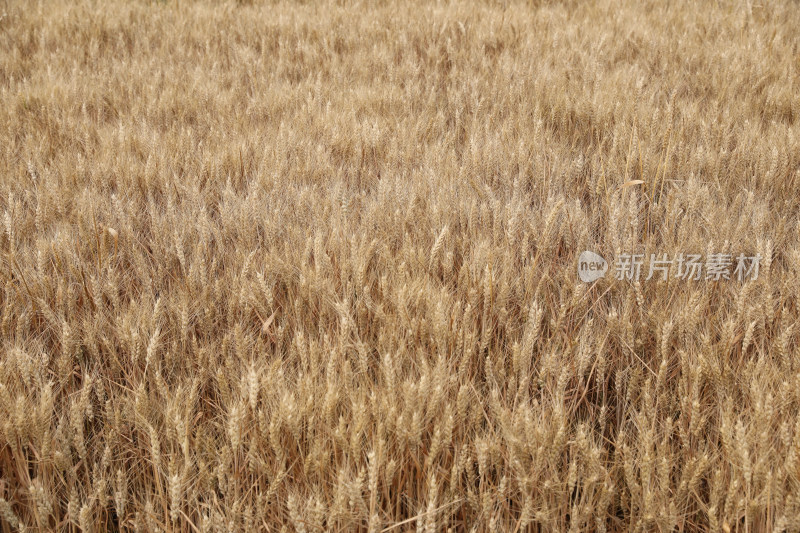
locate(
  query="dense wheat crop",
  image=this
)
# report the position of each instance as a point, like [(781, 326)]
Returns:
[(312, 266)]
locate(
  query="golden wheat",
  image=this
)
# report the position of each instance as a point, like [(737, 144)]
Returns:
[(312, 266)]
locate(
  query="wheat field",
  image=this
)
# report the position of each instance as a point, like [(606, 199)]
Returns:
[(311, 266)]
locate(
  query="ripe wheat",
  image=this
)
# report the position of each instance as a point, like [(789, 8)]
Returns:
[(311, 266)]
